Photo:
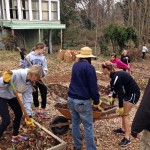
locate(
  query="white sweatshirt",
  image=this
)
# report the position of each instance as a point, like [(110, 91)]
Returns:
[(144, 49)]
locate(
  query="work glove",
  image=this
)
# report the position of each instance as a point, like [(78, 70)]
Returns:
[(120, 111), (112, 101), (29, 123), (98, 106), (7, 76), (22, 55)]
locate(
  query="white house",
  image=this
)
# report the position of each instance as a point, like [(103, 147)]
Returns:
[(29, 18)]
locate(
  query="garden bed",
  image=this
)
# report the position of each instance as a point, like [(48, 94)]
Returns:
[(39, 138)]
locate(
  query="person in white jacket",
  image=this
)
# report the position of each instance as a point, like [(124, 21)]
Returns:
[(22, 79), (144, 50)]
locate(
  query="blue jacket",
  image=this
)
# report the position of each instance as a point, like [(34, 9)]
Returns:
[(83, 84)]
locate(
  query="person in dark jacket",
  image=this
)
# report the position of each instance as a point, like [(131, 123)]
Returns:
[(82, 88), (125, 88), (125, 58), (141, 121)]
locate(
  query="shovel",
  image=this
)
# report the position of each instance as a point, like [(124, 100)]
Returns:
[(19, 100)]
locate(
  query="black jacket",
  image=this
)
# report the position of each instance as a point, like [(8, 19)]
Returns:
[(141, 120), (122, 84), (124, 60)]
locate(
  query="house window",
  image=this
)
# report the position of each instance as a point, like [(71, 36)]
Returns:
[(54, 10), (25, 9), (13, 9), (35, 9), (45, 10)]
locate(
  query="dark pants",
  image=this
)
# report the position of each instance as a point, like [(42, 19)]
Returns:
[(143, 55), (4, 113), (43, 92)]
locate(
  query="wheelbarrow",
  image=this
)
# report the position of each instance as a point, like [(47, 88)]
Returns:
[(60, 124)]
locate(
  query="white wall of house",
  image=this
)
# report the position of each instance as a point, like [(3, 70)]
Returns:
[(46, 10)]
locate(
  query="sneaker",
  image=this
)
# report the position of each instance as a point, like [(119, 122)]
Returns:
[(19, 138), (119, 131), (44, 115), (37, 114), (124, 142)]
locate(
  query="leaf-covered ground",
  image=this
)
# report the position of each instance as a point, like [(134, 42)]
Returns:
[(60, 73)]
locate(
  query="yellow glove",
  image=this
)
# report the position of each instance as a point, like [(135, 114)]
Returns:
[(120, 111), (98, 105), (29, 123), (112, 101), (7, 76)]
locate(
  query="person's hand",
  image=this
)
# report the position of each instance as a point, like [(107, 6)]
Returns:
[(98, 106), (22, 55), (29, 123), (120, 111), (127, 58), (112, 101), (7, 76)]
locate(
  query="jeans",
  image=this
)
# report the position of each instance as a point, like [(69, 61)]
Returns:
[(81, 111)]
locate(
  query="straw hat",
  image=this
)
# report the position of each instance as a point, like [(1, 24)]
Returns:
[(85, 52)]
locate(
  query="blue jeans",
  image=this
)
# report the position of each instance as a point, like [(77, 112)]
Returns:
[(81, 111)]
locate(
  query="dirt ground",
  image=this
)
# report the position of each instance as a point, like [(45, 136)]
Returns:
[(60, 73)]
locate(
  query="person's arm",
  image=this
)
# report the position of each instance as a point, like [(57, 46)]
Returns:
[(123, 65), (45, 70), (23, 63), (146, 49), (92, 83), (27, 100), (116, 86)]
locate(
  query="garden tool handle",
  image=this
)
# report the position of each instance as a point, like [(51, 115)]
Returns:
[(19, 100), (25, 57)]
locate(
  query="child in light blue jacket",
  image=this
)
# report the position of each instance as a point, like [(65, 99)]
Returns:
[(36, 57)]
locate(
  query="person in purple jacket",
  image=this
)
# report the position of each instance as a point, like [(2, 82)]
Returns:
[(118, 63), (82, 89)]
